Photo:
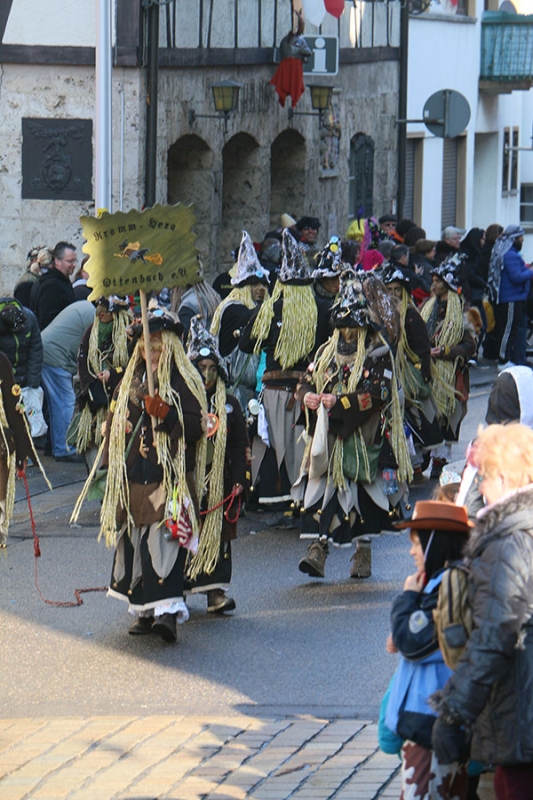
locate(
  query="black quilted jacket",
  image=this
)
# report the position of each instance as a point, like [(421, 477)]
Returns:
[(492, 688)]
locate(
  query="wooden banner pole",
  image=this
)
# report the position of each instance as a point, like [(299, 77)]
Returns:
[(147, 352)]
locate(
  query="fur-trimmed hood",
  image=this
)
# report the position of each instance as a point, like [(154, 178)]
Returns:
[(502, 518)]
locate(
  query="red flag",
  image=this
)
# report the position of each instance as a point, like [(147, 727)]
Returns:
[(288, 79), (335, 7)]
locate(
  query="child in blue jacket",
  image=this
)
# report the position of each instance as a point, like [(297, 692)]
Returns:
[(438, 533)]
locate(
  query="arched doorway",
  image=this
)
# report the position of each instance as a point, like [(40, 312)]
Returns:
[(244, 200), (287, 176), (190, 180)]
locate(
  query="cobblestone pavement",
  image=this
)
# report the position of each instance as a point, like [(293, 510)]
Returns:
[(196, 758), (185, 758)]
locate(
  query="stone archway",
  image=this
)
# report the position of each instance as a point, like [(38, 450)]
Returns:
[(190, 180), (244, 199), (287, 176)]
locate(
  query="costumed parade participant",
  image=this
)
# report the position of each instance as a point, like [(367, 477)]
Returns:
[(453, 335), (249, 290), (153, 446), (227, 475), (326, 275), (413, 369), (15, 444), (289, 327), (357, 465), (102, 358), (198, 299)]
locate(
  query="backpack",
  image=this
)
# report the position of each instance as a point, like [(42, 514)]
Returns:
[(453, 615)]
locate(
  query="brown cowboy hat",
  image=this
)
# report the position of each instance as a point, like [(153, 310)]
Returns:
[(437, 515)]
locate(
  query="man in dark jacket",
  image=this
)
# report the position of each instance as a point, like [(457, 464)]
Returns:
[(20, 341), (53, 291)]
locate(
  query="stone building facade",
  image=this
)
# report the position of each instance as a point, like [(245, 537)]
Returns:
[(265, 164)]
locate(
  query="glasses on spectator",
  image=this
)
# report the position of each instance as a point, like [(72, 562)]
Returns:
[(69, 260)]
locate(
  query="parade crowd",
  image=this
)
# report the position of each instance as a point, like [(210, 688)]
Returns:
[(320, 386)]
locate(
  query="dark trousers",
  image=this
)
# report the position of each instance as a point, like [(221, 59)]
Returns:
[(514, 783), (511, 326)]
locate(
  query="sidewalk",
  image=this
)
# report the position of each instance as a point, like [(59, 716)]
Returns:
[(188, 758), (196, 758)]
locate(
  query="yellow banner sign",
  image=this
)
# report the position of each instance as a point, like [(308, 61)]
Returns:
[(144, 250)]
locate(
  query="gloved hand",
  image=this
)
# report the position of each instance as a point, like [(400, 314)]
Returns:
[(155, 406), (450, 742)]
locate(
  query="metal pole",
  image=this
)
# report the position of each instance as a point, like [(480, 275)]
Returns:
[(402, 106), (151, 105), (104, 122)]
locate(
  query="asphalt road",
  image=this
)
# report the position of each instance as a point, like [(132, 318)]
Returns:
[(293, 645)]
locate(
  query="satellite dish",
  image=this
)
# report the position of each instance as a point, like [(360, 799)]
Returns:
[(446, 113)]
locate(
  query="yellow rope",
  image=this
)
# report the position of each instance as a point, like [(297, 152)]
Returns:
[(11, 466), (451, 333), (87, 485), (206, 558), (299, 318), (405, 355), (240, 294), (398, 439), (90, 426), (261, 326)]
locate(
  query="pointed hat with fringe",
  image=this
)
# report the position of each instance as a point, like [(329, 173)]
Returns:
[(249, 269)]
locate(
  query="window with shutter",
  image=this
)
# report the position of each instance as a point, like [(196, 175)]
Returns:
[(449, 183), (361, 180), (409, 199)]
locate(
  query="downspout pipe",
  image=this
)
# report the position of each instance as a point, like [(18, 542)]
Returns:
[(152, 16), (103, 115), (402, 106)]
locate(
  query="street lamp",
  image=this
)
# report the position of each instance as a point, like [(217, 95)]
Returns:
[(225, 99), (320, 102)]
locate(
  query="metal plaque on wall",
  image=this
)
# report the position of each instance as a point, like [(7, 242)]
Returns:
[(57, 159)]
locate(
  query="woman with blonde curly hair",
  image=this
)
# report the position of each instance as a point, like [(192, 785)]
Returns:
[(489, 697)]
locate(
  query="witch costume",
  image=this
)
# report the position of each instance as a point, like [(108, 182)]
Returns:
[(102, 358), (356, 465), (232, 315), (15, 443), (329, 266), (453, 332), (153, 446), (288, 327), (413, 368), (227, 476)]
